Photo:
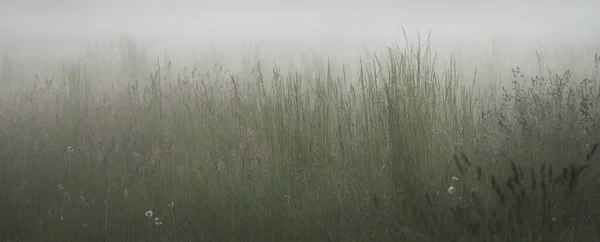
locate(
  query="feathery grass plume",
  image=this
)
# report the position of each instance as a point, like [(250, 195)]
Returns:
[(545, 200), (497, 189), (375, 200), (479, 173), (521, 175), (465, 159), (516, 176), (533, 179), (565, 173), (478, 205), (542, 171), (428, 199), (557, 181), (522, 197), (510, 185), (575, 172), (461, 168), (591, 152)]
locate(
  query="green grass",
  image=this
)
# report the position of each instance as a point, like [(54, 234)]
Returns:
[(308, 155)]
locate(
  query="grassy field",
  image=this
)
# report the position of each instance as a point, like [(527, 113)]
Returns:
[(394, 150)]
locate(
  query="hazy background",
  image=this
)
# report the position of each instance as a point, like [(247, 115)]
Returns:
[(338, 29)]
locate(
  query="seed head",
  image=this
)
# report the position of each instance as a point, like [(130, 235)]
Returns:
[(451, 189), (149, 213)]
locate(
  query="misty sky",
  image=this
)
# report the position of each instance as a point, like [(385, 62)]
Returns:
[(261, 18), (64, 27)]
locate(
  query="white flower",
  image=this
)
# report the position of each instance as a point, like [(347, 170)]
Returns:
[(149, 213), (157, 221), (60, 187), (171, 204), (455, 178), (70, 149), (451, 189)]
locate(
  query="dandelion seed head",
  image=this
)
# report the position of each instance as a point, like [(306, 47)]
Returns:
[(451, 189), (157, 221), (171, 204), (70, 149), (149, 213), (455, 178), (60, 187)]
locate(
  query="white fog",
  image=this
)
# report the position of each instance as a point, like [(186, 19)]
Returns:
[(181, 25)]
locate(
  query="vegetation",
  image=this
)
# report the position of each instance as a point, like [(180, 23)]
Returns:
[(396, 152)]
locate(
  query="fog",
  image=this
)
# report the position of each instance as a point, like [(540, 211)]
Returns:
[(326, 28)]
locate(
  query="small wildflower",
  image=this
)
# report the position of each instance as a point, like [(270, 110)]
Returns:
[(451, 189), (70, 149), (157, 221), (455, 178), (149, 213), (60, 187), (171, 204)]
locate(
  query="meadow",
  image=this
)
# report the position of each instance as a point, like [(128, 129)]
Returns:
[(392, 148)]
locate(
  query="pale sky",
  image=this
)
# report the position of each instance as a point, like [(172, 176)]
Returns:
[(262, 18), (32, 25)]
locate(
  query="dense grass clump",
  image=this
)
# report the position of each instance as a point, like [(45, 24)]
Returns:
[(394, 152)]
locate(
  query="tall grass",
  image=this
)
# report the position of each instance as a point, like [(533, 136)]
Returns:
[(308, 155)]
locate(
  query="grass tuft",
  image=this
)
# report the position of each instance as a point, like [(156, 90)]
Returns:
[(329, 153)]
